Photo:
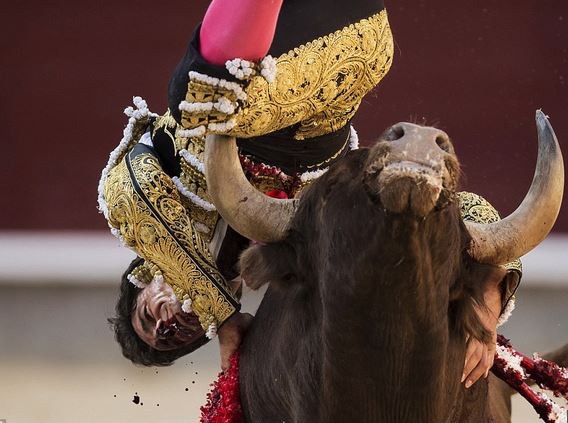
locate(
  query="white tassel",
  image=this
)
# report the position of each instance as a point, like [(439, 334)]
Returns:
[(134, 281), (240, 68), (158, 277), (224, 105), (211, 331), (268, 69), (186, 306), (353, 139)]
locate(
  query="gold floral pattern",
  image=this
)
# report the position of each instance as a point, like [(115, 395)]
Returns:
[(319, 85), (146, 208)]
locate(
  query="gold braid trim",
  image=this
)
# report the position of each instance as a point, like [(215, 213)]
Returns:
[(191, 178), (319, 84), (157, 226)]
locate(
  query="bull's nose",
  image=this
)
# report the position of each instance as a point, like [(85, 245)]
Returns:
[(404, 134)]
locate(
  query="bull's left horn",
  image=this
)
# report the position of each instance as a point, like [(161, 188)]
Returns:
[(247, 210), (521, 231)]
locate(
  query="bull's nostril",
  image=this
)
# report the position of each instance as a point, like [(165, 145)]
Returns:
[(443, 143), (394, 133)]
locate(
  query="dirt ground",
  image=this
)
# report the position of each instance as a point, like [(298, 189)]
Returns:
[(59, 363)]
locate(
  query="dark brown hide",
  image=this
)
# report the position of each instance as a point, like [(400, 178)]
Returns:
[(366, 316)]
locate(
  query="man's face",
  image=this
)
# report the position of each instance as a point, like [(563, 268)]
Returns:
[(158, 319)]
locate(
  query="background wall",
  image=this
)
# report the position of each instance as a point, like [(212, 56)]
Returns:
[(477, 69), (68, 69)]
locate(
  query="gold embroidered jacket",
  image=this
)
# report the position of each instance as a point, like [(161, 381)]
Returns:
[(153, 191)]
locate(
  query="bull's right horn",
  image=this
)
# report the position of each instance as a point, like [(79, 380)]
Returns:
[(247, 210), (517, 234)]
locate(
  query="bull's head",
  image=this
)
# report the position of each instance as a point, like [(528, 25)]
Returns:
[(412, 169), (373, 265)]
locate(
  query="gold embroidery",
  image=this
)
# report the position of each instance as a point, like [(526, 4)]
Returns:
[(196, 146), (159, 228), (168, 124), (320, 84), (200, 92)]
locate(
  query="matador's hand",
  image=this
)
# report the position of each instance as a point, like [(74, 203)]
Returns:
[(478, 359), (231, 335)]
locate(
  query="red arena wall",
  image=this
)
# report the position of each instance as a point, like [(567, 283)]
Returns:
[(476, 69)]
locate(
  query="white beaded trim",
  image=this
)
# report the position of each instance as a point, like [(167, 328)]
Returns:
[(353, 145), (190, 133), (116, 233), (310, 176), (158, 277), (222, 126), (195, 199), (216, 82), (134, 115), (223, 105), (192, 160), (353, 139), (507, 312)]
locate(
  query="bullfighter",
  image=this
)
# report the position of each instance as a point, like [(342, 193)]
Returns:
[(285, 78)]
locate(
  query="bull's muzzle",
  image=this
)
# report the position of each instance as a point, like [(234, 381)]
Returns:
[(410, 167)]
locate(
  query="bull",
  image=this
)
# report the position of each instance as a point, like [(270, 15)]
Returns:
[(374, 279)]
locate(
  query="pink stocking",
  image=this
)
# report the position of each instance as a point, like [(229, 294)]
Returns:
[(238, 28)]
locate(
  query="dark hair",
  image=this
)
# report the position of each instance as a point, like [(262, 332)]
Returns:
[(133, 348)]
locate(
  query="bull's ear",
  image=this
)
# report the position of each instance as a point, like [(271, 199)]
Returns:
[(467, 296), (274, 263)]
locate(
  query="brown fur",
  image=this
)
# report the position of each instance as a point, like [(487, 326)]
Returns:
[(366, 316)]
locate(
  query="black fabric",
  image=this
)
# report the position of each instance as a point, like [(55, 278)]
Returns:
[(193, 60), (293, 156), (165, 150), (299, 21), (227, 259), (509, 287)]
